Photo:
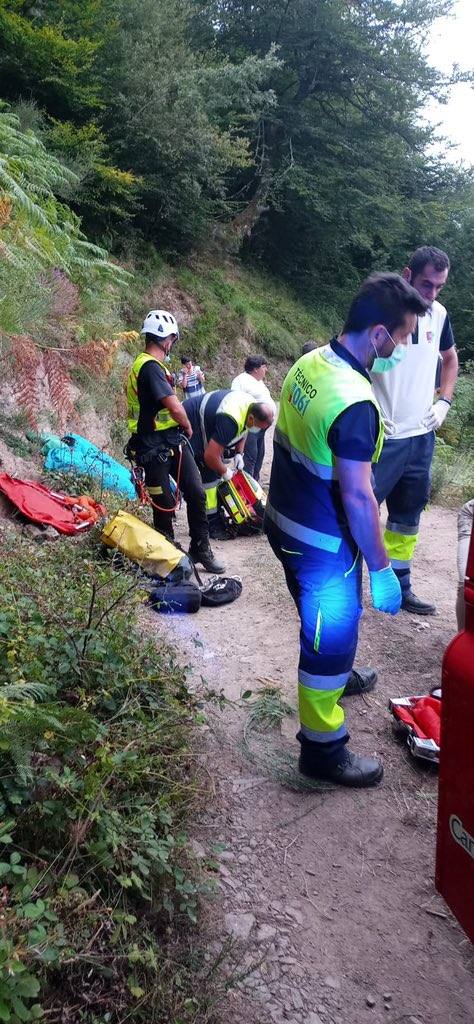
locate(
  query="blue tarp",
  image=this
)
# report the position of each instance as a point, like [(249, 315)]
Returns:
[(74, 454)]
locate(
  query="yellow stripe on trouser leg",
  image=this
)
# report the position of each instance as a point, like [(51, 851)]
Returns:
[(210, 490), (400, 547), (319, 710)]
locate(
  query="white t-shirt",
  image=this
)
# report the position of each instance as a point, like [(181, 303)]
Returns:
[(256, 388), (405, 394)]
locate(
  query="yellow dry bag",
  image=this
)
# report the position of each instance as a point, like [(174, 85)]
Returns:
[(144, 545)]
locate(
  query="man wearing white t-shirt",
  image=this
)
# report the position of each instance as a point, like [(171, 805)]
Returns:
[(411, 417), (252, 382)]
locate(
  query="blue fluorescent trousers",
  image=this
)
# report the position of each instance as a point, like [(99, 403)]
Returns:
[(327, 591)]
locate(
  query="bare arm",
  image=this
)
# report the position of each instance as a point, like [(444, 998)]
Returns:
[(178, 413), (362, 511), (213, 458), (449, 372)]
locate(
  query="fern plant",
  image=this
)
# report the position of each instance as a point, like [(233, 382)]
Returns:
[(39, 230), (42, 228)]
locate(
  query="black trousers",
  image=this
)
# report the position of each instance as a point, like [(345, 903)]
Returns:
[(158, 467)]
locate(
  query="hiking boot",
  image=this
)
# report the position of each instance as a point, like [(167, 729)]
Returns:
[(218, 530), (202, 554), (412, 603), (347, 769), (360, 682)]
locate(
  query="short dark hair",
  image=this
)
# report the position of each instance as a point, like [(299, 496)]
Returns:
[(309, 346), (383, 299), (254, 363), (257, 410), (153, 339), (428, 254), (185, 359)]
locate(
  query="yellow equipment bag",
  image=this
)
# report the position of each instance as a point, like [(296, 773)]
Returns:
[(143, 545)]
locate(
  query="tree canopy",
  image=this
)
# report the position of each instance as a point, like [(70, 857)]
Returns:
[(289, 130)]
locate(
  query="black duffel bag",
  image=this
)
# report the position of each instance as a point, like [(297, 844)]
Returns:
[(172, 598)]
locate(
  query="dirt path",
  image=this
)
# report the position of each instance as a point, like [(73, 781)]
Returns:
[(331, 892)]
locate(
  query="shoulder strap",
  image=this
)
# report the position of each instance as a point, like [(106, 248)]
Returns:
[(197, 575)]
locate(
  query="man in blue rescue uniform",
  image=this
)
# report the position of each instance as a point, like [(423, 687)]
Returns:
[(159, 427), (322, 517)]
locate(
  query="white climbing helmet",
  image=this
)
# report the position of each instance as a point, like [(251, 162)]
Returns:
[(160, 323)]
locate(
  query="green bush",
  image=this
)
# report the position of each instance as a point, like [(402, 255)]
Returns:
[(95, 778), (453, 464)]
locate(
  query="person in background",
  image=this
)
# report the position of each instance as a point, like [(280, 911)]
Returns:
[(322, 518), (252, 382), (411, 418), (190, 378), (465, 521)]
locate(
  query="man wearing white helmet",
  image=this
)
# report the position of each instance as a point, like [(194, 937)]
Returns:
[(156, 419)]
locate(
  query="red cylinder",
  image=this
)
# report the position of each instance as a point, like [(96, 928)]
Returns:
[(455, 841)]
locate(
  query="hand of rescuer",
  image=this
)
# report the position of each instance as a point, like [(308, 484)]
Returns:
[(238, 461), (437, 414), (385, 590), (228, 474)]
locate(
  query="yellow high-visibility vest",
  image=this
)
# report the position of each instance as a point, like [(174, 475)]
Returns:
[(163, 419)]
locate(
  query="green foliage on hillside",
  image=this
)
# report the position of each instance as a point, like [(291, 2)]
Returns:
[(240, 306), (453, 467), (95, 780)]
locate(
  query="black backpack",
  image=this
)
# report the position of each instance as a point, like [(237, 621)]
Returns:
[(220, 590)]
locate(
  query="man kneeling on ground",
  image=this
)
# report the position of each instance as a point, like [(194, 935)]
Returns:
[(221, 421)]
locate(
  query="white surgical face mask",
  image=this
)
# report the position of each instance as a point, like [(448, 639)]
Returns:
[(383, 363), (254, 430)]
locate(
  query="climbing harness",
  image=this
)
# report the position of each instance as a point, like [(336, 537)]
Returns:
[(138, 474)]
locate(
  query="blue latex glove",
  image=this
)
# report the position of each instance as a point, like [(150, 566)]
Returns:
[(386, 591)]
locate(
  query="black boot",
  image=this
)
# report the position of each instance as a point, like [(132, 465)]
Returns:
[(360, 681), (345, 768), (202, 554), (218, 529), (412, 603)]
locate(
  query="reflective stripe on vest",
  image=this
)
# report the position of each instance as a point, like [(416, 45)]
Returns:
[(304, 499), (235, 404), (163, 419), (317, 469), (314, 538)]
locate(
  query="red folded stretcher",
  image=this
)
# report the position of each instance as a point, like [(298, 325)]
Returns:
[(66, 514)]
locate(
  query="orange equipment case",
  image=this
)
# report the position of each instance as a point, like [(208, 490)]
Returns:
[(242, 498)]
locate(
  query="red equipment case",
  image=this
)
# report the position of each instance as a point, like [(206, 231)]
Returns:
[(455, 844)]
